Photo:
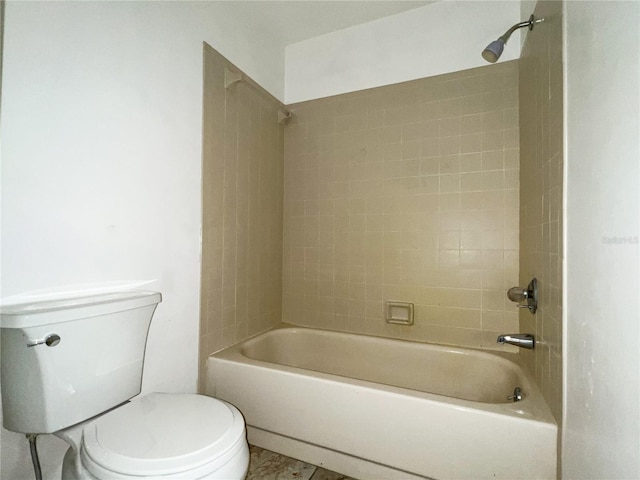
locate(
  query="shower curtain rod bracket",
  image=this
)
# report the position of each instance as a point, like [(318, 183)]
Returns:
[(284, 115), (231, 77)]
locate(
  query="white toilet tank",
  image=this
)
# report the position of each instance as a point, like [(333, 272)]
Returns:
[(64, 361)]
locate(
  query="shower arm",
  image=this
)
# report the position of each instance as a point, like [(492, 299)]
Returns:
[(529, 23)]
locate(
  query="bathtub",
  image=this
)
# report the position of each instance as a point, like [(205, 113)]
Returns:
[(376, 408)]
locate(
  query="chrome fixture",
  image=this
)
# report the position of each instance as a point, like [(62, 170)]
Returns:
[(50, 340), (524, 340), (528, 295), (494, 49), (518, 395)]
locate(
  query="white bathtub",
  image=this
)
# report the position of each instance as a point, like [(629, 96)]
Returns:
[(377, 408)]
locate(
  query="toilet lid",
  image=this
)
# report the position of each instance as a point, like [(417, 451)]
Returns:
[(162, 434)]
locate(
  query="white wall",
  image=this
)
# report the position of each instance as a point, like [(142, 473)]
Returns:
[(602, 409), (101, 163), (439, 38), (101, 144)]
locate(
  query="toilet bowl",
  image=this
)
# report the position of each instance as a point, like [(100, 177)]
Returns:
[(72, 367), (160, 435)]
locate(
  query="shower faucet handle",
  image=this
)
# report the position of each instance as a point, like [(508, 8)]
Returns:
[(517, 294), (528, 295)]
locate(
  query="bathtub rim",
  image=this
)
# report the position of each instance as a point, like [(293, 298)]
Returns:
[(533, 408), (506, 354)]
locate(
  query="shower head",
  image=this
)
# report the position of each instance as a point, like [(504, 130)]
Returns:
[(494, 49)]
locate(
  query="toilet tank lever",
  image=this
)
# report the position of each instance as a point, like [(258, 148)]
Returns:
[(50, 340)]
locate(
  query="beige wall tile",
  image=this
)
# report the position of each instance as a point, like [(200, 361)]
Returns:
[(540, 181), (243, 151), (416, 192)]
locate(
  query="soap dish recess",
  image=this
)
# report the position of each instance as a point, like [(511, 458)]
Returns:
[(400, 313)]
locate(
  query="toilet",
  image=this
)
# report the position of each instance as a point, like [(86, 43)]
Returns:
[(72, 367)]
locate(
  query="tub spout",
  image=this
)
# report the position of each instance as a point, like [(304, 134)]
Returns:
[(524, 340)]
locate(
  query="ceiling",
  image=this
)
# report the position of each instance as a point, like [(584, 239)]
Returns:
[(296, 20)]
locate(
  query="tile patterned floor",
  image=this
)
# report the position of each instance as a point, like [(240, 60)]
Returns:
[(266, 465)]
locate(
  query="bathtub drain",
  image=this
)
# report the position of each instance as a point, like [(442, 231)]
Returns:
[(517, 395)]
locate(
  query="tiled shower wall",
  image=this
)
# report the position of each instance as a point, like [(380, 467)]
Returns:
[(243, 150), (409, 193), (541, 256)]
